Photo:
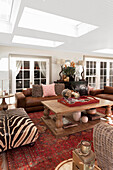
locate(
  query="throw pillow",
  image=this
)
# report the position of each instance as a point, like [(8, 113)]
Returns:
[(59, 87), (48, 90), (37, 90)]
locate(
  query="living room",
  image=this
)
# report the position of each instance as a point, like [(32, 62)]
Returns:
[(38, 39)]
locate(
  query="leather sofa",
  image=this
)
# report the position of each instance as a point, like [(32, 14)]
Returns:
[(106, 93), (25, 99)]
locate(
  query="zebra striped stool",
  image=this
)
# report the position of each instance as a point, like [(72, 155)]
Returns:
[(16, 129)]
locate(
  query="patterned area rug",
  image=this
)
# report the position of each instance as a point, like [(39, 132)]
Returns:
[(48, 151)]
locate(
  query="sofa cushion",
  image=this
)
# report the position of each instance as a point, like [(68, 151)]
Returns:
[(59, 87), (27, 92), (37, 90), (105, 96), (48, 90), (108, 90), (36, 101), (33, 101)]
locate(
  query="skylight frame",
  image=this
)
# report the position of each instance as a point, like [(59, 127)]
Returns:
[(104, 51), (6, 11), (35, 41), (52, 23)]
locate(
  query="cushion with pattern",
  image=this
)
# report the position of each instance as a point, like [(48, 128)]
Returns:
[(59, 87), (37, 90)]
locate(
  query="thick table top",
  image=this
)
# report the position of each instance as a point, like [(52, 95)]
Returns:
[(6, 96), (60, 108)]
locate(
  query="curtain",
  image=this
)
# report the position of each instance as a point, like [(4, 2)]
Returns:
[(18, 66), (43, 69)]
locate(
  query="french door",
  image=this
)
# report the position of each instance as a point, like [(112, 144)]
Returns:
[(28, 71), (99, 72)]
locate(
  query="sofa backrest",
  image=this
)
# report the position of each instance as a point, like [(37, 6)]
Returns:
[(108, 90), (37, 91)]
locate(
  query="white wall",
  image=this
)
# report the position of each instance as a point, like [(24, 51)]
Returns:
[(5, 51)]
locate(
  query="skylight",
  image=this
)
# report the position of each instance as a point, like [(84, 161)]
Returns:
[(43, 21), (106, 51), (35, 41), (5, 9)]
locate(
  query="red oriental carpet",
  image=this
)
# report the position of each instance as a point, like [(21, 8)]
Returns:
[(48, 151)]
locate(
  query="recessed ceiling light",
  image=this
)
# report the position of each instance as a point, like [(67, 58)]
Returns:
[(35, 41), (106, 51), (43, 21)]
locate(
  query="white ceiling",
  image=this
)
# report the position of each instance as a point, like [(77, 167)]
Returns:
[(95, 12)]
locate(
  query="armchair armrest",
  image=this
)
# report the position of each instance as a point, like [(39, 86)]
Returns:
[(97, 91), (20, 100)]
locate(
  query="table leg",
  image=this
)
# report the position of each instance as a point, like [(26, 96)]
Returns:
[(59, 123), (4, 105), (46, 113), (108, 111)]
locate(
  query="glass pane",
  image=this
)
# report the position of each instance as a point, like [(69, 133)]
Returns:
[(26, 65), (94, 71), (43, 81), (37, 74), (43, 74), (104, 64), (36, 81), (19, 75), (105, 72), (26, 74), (94, 64), (19, 90), (18, 65), (101, 65), (26, 83), (36, 65), (91, 64), (43, 65), (87, 64), (87, 72), (18, 83), (101, 72)]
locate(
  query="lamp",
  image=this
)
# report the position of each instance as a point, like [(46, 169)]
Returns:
[(81, 63), (67, 63), (60, 62)]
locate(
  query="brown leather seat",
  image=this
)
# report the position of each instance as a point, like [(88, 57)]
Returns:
[(36, 101)]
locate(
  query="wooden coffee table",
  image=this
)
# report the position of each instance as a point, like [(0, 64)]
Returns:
[(59, 110)]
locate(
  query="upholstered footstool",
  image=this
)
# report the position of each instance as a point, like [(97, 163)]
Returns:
[(16, 129)]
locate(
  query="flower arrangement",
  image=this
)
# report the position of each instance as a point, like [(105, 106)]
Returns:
[(69, 70)]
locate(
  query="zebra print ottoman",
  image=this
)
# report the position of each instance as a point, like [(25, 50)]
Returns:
[(16, 129)]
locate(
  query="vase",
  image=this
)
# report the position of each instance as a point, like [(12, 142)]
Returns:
[(77, 116), (72, 78)]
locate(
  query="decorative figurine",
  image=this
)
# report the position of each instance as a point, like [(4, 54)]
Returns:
[(66, 93)]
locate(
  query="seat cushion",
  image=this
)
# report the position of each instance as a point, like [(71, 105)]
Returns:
[(105, 96), (33, 101), (36, 101)]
